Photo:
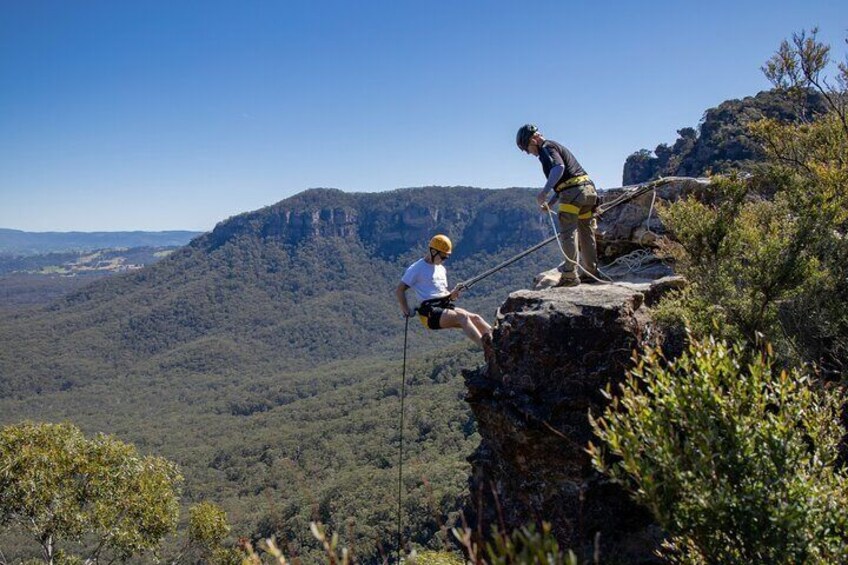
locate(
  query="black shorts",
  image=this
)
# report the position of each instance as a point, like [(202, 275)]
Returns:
[(430, 311)]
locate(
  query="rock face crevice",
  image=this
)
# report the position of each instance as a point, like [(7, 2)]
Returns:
[(556, 350)]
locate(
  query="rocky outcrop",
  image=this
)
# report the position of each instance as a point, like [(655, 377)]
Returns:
[(556, 350), (636, 224)]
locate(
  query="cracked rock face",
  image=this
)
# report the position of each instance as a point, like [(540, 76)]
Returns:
[(636, 224), (556, 349)]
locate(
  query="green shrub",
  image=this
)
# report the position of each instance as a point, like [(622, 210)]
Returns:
[(436, 558), (769, 255), (207, 524), (522, 546), (734, 457), (75, 496), (744, 257)]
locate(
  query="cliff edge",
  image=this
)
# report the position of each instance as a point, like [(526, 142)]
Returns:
[(556, 349)]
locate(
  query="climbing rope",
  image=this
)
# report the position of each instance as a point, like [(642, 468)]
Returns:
[(400, 454), (633, 262), (467, 284), (567, 258), (630, 193), (648, 220)]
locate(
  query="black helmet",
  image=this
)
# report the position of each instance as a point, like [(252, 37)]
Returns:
[(525, 132)]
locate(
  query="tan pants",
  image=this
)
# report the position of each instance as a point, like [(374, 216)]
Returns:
[(576, 225)]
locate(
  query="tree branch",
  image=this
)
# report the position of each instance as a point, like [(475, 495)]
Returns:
[(95, 555), (47, 547)]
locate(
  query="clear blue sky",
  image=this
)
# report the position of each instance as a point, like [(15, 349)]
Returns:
[(156, 115)]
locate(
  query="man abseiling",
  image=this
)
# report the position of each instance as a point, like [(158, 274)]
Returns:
[(428, 278)]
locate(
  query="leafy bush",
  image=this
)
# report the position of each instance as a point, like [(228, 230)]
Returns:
[(809, 164), (522, 546), (770, 255), (207, 524), (734, 457), (208, 527), (744, 257)]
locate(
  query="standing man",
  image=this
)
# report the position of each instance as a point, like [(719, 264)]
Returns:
[(429, 279), (576, 203)]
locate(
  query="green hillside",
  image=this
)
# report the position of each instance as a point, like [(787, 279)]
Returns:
[(265, 358)]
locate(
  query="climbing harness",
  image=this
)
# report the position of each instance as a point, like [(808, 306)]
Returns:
[(572, 182), (430, 311)]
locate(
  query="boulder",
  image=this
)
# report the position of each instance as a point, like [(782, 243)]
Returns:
[(635, 224)]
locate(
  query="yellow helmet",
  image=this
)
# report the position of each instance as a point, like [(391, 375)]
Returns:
[(441, 243)]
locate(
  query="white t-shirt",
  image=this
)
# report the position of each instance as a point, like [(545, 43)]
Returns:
[(427, 280)]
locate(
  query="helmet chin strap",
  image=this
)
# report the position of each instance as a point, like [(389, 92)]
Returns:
[(433, 254)]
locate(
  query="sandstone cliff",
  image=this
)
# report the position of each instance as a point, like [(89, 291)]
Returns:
[(391, 223)]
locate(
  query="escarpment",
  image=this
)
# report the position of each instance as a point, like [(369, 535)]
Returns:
[(392, 223)]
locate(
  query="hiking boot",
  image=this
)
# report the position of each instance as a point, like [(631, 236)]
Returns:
[(567, 280)]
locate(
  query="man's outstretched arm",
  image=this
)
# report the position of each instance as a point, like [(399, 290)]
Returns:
[(400, 293)]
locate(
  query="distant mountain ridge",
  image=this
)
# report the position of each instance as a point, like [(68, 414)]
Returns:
[(17, 242), (390, 223)]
